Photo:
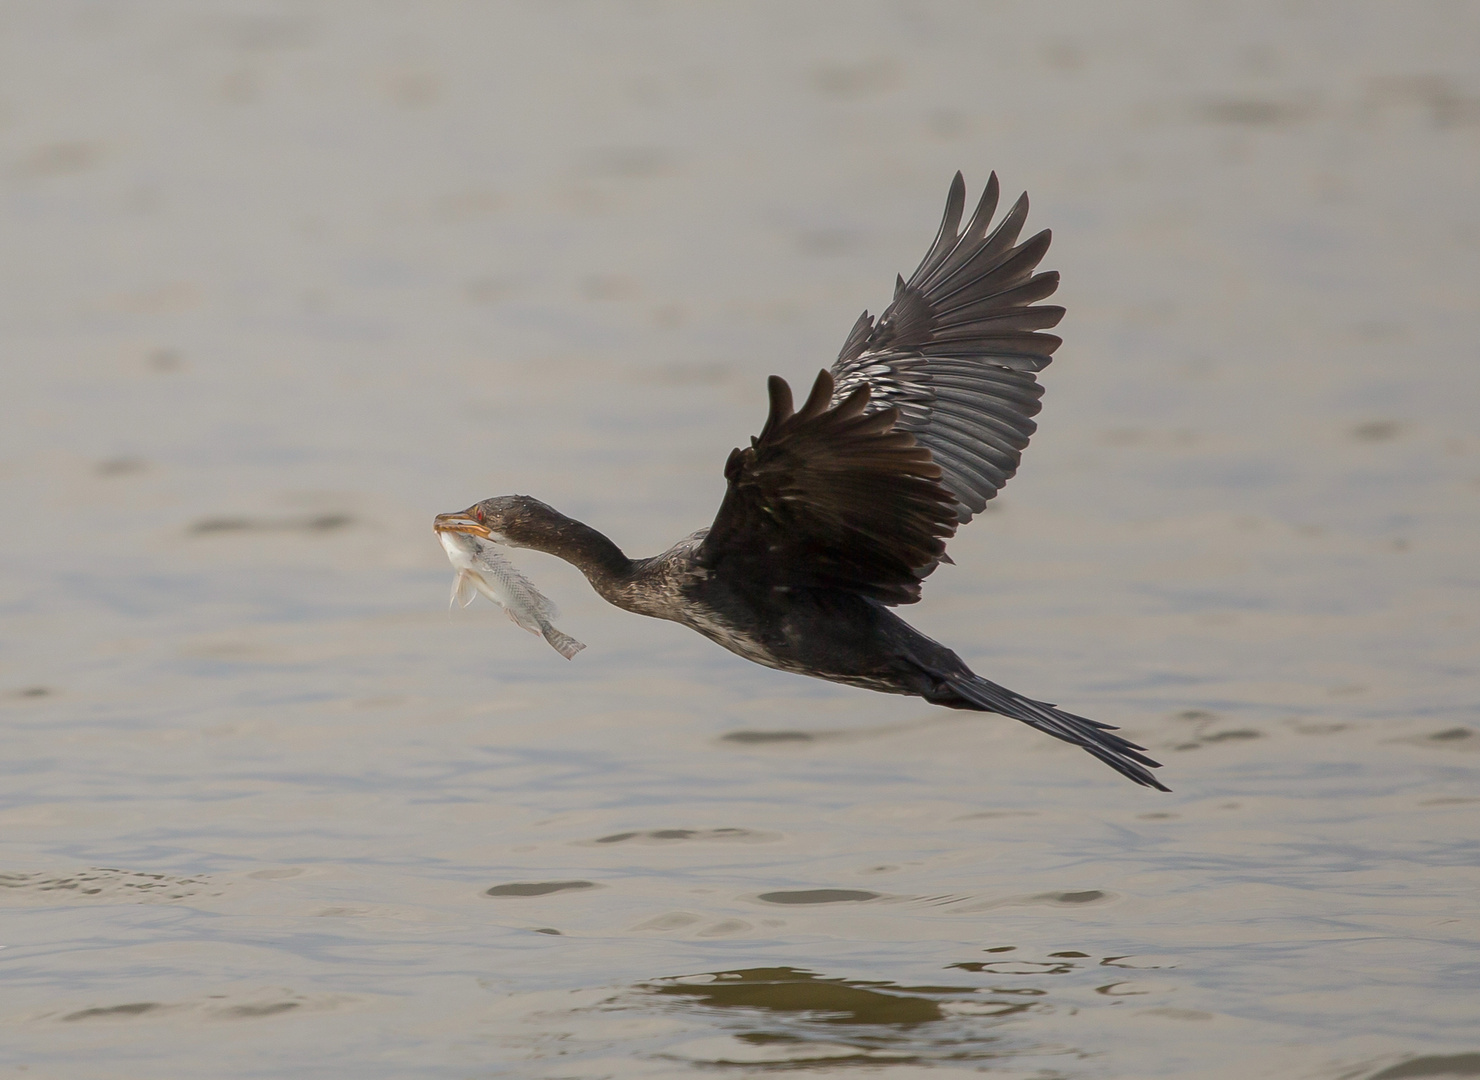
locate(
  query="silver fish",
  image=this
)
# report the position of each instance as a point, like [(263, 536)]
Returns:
[(481, 569)]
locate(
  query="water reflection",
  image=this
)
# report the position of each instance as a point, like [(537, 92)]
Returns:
[(1252, 541), (1452, 1065), (670, 836), (538, 888), (101, 883), (818, 896), (788, 1017), (823, 1000)]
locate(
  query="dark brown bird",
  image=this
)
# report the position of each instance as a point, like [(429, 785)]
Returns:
[(837, 511)]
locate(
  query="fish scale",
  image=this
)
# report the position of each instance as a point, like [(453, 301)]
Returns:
[(481, 569)]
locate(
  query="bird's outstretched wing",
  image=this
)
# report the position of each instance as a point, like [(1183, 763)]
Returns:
[(956, 349), (831, 496)]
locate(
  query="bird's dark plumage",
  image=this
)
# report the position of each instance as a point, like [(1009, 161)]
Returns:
[(831, 497), (956, 349), (838, 510)]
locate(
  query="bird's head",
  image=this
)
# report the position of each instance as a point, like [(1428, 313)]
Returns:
[(511, 520)]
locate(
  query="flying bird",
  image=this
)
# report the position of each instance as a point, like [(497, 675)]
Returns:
[(837, 511)]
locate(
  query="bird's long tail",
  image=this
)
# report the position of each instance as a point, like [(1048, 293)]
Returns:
[(1122, 755)]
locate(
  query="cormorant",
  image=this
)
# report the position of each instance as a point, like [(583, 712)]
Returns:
[(838, 510)]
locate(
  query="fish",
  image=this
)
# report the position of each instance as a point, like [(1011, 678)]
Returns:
[(481, 569)]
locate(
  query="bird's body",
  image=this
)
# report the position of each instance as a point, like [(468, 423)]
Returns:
[(836, 512), (826, 633)]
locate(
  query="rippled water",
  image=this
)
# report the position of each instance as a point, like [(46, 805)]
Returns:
[(280, 281)]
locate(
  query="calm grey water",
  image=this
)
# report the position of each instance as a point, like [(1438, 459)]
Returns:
[(280, 281)]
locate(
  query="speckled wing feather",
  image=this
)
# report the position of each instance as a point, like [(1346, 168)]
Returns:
[(831, 496), (955, 351)]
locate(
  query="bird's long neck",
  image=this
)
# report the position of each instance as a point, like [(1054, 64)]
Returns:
[(593, 554)]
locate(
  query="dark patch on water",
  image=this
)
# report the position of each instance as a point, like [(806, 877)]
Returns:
[(120, 466), (137, 1008), (317, 523), (63, 158), (1204, 733), (1376, 430), (538, 888), (670, 836), (819, 896), (1249, 112), (101, 883), (1446, 105), (1015, 967), (630, 162), (749, 738), (1434, 1065), (245, 1012), (798, 1018), (795, 990), (1455, 738)]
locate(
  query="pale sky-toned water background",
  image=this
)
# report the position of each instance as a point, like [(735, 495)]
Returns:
[(280, 281)]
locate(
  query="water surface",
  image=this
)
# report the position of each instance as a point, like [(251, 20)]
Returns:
[(281, 281)]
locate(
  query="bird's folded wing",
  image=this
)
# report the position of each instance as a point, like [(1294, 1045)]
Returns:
[(831, 496), (956, 349)]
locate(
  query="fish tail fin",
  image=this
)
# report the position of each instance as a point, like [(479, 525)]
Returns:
[(562, 643)]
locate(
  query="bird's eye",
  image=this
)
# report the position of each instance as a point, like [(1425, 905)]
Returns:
[(478, 513)]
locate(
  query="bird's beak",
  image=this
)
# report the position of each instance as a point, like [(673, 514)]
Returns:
[(460, 522)]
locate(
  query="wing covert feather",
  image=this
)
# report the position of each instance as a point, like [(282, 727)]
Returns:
[(833, 495)]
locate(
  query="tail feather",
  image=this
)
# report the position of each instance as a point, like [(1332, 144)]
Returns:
[(1122, 755)]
